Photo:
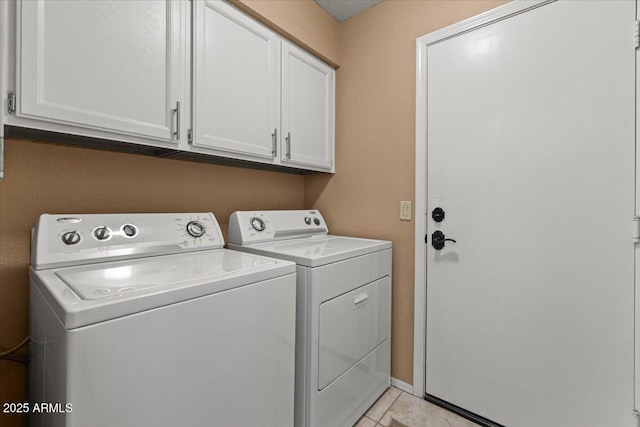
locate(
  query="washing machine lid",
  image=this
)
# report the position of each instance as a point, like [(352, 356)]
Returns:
[(316, 250), (97, 292)]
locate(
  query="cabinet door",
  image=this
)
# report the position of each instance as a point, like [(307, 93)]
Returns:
[(308, 97), (236, 90), (118, 66)]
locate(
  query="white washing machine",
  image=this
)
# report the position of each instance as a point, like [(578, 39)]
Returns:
[(144, 320), (343, 311)]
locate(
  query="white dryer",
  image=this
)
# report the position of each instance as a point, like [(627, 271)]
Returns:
[(144, 320), (343, 311)]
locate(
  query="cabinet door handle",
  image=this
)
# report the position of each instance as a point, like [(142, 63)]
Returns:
[(288, 140), (176, 132), (274, 142), (359, 299)]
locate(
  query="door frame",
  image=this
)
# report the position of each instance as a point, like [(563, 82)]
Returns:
[(420, 279)]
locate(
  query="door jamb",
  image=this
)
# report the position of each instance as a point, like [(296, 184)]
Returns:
[(636, 249), (420, 280)]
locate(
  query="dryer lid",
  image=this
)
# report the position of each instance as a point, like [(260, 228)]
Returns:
[(317, 250)]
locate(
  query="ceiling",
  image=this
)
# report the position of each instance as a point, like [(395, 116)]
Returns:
[(345, 9)]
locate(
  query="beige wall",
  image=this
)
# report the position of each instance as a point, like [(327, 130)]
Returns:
[(375, 141), (301, 21)]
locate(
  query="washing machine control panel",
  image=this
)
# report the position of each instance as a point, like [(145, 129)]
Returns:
[(246, 227), (63, 240)]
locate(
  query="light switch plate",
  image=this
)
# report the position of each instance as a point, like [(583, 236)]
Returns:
[(405, 210)]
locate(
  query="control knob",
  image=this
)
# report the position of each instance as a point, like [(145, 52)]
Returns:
[(307, 220), (71, 238), (257, 224), (129, 230), (102, 233), (195, 229)]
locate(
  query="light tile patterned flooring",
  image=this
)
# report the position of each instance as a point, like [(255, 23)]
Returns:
[(395, 408)]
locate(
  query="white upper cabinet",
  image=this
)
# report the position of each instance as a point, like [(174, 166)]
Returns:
[(114, 66), (191, 76), (256, 96), (308, 94), (235, 83)]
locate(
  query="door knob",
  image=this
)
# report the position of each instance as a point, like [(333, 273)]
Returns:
[(438, 240)]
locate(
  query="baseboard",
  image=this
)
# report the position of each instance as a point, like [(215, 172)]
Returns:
[(402, 385)]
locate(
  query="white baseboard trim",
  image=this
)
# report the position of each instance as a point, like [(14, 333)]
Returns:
[(401, 385)]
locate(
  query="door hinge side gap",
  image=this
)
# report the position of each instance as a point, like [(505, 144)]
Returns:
[(636, 229), (189, 136)]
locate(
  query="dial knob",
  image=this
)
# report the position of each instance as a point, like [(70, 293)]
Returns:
[(71, 238), (102, 233), (307, 220), (257, 224), (316, 221), (195, 229), (129, 230)]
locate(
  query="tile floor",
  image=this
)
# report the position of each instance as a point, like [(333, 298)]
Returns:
[(395, 408)]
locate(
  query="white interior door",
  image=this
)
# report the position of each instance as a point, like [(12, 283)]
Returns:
[(531, 148)]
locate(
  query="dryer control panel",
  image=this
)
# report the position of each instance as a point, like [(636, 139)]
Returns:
[(246, 227), (65, 240)]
